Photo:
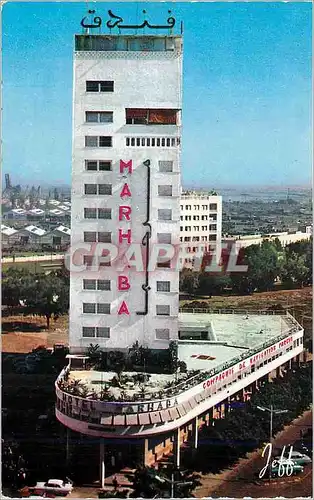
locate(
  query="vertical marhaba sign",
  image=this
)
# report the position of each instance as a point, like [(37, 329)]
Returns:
[(124, 214)]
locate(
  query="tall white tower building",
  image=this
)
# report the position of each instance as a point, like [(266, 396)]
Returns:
[(125, 190)]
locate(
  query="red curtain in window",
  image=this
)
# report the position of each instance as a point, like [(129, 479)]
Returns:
[(165, 116), (136, 113)]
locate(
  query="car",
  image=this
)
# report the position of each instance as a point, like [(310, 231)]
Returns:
[(303, 447), (54, 487), (297, 469), (298, 458)]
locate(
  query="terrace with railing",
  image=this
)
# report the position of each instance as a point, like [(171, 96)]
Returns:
[(168, 386)]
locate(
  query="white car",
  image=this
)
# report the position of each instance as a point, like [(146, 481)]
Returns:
[(298, 457), (55, 487)]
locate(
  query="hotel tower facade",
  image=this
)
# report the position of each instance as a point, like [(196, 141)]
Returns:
[(125, 190)]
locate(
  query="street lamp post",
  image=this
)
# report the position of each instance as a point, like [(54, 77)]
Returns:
[(272, 411)]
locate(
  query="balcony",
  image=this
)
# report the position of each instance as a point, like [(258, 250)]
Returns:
[(127, 43)]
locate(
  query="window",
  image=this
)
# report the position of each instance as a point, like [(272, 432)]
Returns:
[(103, 332), (187, 238), (162, 333), (104, 213), (212, 237), (90, 237), (188, 217), (101, 165), (103, 285), (196, 217), (188, 207), (94, 141), (90, 213), (204, 207), (212, 227), (204, 228), (93, 237), (99, 116), (213, 206), (164, 238), (91, 141), (105, 141), (165, 265), (89, 308), (105, 264), (163, 310), (88, 260), (105, 189), (165, 166), (187, 228), (151, 142), (196, 228), (103, 308), (204, 217), (89, 284), (165, 190), (204, 238), (196, 238), (90, 188), (164, 214), (104, 237), (88, 331), (135, 116), (99, 86), (181, 217), (163, 286)]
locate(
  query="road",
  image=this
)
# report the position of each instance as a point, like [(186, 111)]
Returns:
[(239, 482)]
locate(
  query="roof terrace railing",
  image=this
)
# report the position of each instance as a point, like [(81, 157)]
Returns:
[(246, 312), (181, 387)]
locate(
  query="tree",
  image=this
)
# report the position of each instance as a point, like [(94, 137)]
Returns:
[(294, 270), (263, 268), (15, 286), (150, 483), (48, 296), (189, 281)]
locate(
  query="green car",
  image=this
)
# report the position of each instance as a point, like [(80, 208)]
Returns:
[(297, 469)]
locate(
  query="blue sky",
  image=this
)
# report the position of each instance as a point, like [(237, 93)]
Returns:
[(247, 90)]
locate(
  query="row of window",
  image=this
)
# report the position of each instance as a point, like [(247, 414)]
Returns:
[(106, 189), (164, 214), (210, 237), (105, 141), (89, 284), (211, 227), (106, 166), (90, 261), (105, 237), (102, 308), (212, 217), (152, 142), (211, 206), (104, 332), (136, 116)]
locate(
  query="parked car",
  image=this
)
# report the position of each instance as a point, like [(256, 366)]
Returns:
[(298, 458), (303, 447), (54, 486), (297, 469)]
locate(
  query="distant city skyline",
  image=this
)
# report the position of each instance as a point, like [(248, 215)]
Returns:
[(246, 91)]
